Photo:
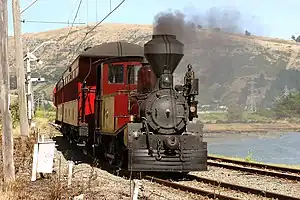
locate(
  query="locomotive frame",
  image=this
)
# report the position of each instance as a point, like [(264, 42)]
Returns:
[(96, 99)]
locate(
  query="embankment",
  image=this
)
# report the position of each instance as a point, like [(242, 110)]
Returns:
[(251, 127)]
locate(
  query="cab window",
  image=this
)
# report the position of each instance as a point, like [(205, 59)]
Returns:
[(115, 74), (132, 74)]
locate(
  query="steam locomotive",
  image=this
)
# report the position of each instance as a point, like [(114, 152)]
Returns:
[(118, 100)]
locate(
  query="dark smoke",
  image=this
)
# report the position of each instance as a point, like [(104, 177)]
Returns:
[(216, 58), (228, 20), (184, 25), (174, 23)]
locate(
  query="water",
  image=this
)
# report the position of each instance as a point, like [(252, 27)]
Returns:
[(278, 148)]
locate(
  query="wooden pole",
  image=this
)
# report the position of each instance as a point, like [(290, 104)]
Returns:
[(24, 128), (7, 139)]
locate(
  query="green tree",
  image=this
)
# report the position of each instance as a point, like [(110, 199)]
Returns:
[(288, 106), (234, 113)]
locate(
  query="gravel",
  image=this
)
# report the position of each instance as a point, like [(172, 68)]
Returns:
[(220, 190), (95, 183), (155, 191), (239, 165), (92, 182), (270, 184)]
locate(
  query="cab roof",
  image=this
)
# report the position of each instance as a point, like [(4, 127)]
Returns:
[(114, 49)]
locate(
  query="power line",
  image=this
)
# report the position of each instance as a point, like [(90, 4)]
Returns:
[(88, 32), (78, 8), (97, 25), (77, 11), (73, 10), (46, 22), (106, 16), (31, 4)]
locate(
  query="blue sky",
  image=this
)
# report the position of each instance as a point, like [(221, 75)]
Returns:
[(264, 17)]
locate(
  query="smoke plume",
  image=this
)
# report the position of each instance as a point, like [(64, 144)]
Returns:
[(184, 25), (174, 23), (217, 58)]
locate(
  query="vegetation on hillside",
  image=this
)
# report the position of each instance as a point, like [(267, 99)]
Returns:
[(239, 116), (288, 106), (287, 81), (226, 63)]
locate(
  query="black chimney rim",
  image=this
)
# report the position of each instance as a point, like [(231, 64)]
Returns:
[(163, 35)]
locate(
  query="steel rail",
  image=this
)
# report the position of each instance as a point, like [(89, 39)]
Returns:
[(190, 189), (258, 165), (255, 171), (242, 188), (213, 182)]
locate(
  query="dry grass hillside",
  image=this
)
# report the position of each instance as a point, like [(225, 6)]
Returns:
[(225, 62)]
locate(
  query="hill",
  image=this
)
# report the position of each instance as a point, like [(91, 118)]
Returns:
[(225, 62)]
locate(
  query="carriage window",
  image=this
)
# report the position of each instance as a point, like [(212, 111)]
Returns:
[(132, 74), (116, 74)]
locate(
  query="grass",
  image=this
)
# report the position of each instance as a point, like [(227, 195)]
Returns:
[(44, 114), (256, 117), (249, 158), (251, 127), (53, 186), (223, 117), (21, 188), (41, 119), (213, 117), (23, 149)]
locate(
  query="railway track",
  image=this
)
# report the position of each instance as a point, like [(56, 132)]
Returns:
[(189, 189), (258, 165), (255, 168), (217, 195), (246, 190)]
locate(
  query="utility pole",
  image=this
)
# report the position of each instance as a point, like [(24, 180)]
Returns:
[(29, 80), (38, 102), (252, 97), (7, 139), (42, 101), (29, 89), (24, 128), (286, 91)]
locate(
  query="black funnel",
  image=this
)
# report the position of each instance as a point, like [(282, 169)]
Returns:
[(163, 51)]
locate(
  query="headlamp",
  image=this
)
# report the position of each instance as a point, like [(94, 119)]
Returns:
[(192, 108), (166, 81)]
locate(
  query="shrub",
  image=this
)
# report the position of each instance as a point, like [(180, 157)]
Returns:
[(234, 113)]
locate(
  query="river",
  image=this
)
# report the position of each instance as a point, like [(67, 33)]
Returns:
[(276, 148)]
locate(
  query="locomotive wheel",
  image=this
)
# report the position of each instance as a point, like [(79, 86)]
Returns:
[(111, 151), (115, 150)]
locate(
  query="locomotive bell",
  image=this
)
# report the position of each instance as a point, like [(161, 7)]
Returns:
[(163, 53)]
